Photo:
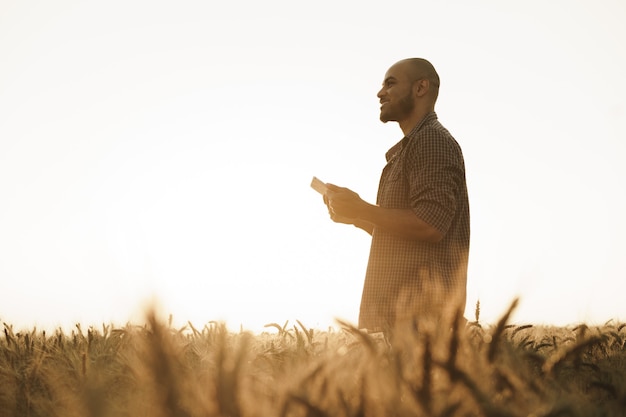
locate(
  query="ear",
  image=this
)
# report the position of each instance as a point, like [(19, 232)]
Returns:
[(421, 87)]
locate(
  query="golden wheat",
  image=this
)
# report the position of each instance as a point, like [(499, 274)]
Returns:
[(450, 369)]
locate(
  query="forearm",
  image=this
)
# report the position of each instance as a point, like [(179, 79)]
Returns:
[(401, 222), (361, 224), (345, 206), (364, 225)]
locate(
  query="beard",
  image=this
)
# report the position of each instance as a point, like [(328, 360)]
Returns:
[(393, 113)]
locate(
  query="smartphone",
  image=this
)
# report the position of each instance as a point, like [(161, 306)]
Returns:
[(319, 186)]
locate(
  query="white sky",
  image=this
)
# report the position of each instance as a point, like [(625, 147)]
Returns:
[(165, 149)]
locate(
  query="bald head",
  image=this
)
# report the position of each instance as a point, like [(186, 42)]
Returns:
[(419, 68), (409, 92)]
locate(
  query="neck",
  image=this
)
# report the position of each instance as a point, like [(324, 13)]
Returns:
[(410, 122)]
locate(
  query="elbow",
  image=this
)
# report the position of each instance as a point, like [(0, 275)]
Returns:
[(434, 236), (424, 232), (426, 235), (429, 234)]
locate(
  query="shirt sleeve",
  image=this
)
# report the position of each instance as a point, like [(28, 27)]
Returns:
[(434, 170)]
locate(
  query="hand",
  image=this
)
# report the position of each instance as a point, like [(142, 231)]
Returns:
[(335, 217), (344, 205), (339, 219)]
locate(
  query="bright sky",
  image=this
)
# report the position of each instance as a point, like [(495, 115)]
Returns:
[(165, 149)]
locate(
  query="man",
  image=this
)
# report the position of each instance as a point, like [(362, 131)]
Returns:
[(417, 267)]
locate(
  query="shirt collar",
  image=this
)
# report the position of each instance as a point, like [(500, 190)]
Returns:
[(426, 119), (397, 148)]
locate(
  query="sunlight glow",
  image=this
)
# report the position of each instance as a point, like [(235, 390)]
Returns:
[(152, 151)]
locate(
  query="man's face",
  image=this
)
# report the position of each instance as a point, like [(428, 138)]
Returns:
[(396, 96)]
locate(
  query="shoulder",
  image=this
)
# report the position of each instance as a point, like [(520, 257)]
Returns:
[(433, 140)]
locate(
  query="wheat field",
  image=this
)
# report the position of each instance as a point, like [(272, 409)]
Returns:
[(457, 369)]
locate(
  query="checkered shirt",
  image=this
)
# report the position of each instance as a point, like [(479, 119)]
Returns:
[(405, 278)]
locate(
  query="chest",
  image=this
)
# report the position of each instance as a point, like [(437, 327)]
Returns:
[(393, 188)]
